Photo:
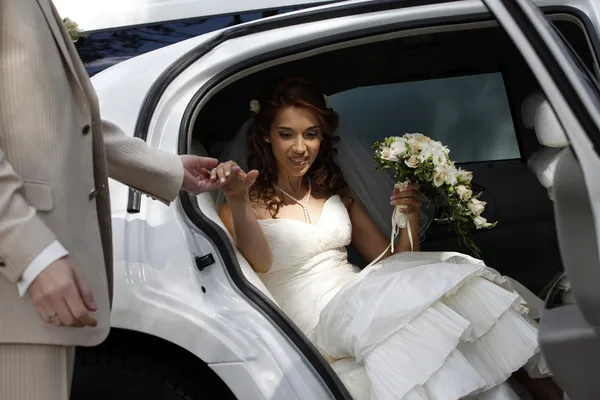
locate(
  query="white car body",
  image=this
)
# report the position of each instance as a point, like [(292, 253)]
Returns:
[(158, 288), (92, 15)]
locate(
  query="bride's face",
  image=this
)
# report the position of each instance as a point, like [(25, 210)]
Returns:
[(295, 138)]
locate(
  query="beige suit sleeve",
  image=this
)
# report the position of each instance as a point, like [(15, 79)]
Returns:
[(23, 235), (132, 162)]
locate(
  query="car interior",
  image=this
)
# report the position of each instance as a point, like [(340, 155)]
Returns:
[(485, 104), (496, 139)]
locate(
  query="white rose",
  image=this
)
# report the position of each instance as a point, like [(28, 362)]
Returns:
[(443, 175), (388, 154), (464, 193), (477, 206), (436, 145), (255, 106), (481, 222), (439, 177), (424, 155), (450, 175), (412, 162), (398, 147), (415, 145), (439, 159), (464, 175)]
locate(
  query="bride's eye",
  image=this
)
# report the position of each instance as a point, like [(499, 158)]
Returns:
[(285, 134), (312, 134)]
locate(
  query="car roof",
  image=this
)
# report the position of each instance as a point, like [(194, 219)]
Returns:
[(94, 15)]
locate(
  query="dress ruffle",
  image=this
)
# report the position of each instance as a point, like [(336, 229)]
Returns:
[(469, 340)]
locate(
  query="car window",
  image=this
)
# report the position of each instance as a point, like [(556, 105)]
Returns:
[(100, 50), (470, 114)]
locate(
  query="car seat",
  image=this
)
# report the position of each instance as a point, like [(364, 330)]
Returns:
[(538, 115)]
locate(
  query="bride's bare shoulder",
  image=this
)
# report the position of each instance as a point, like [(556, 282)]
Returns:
[(260, 208)]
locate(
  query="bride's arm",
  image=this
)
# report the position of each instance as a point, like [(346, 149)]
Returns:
[(239, 217), (370, 241), (241, 222)]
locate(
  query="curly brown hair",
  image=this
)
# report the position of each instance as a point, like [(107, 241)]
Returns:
[(326, 177)]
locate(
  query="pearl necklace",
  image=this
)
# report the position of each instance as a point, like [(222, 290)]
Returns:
[(301, 204)]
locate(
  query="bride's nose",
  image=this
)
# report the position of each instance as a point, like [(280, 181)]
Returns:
[(299, 145)]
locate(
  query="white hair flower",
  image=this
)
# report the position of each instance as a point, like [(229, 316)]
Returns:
[(255, 106)]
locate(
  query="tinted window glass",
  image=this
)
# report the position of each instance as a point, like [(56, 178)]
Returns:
[(100, 50), (469, 114)]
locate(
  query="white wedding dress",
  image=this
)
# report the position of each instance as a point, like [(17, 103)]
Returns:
[(415, 326)]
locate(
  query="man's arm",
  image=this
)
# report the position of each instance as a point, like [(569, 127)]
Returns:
[(23, 235), (29, 249), (132, 162)]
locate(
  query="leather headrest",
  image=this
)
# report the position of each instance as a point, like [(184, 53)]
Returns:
[(543, 164), (538, 115)]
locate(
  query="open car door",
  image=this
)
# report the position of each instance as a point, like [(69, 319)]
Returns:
[(569, 334)]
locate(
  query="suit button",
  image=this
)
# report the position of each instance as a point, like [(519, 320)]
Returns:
[(93, 194), (85, 130)]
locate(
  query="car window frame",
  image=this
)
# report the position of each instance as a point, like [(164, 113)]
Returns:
[(88, 36)]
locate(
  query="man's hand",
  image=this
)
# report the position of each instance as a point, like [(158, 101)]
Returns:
[(61, 296), (197, 174)]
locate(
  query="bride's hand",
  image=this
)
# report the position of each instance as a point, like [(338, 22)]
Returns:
[(409, 198), (233, 181)]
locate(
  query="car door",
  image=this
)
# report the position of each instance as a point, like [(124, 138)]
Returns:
[(568, 334)]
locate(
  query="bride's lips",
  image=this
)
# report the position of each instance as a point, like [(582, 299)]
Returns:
[(299, 161)]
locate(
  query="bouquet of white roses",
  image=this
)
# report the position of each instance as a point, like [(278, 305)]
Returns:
[(415, 157)]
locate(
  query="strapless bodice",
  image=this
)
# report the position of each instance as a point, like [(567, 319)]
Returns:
[(309, 261)]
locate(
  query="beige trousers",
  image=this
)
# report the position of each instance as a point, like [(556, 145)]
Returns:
[(35, 372)]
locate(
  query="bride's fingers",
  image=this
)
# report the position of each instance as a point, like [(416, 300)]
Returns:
[(406, 201), (409, 209), (222, 173), (213, 174), (406, 194), (230, 167), (251, 176), (227, 170), (248, 177), (401, 201)]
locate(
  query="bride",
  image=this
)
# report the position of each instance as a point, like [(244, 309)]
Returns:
[(422, 325)]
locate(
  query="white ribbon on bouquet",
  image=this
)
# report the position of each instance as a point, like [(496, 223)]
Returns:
[(399, 221)]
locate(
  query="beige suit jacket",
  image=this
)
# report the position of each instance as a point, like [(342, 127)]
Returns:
[(56, 155)]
